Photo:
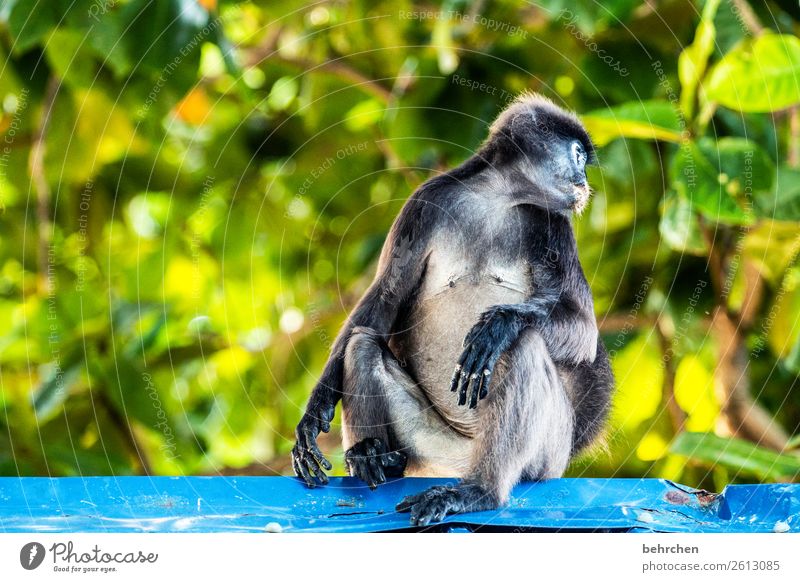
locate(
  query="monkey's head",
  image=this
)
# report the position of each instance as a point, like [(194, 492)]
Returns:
[(548, 148)]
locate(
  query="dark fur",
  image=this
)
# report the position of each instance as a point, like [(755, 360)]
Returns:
[(485, 253)]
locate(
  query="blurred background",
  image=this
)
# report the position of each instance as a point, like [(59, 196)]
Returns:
[(193, 195)]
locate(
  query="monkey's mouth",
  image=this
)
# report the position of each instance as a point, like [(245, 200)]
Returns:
[(581, 193)]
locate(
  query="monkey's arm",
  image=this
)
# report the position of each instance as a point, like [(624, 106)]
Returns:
[(400, 269)]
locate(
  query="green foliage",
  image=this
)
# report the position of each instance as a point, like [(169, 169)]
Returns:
[(737, 455), (759, 75), (218, 180)]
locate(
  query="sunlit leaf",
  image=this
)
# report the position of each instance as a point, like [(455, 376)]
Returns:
[(443, 43), (737, 454), (694, 58), (784, 331), (679, 226), (694, 393), (771, 246), (283, 92), (652, 447), (656, 120), (759, 75), (364, 115), (639, 373)]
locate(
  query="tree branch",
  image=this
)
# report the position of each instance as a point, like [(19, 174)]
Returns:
[(40, 185)]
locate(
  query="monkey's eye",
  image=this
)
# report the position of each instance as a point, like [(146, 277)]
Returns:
[(578, 154)]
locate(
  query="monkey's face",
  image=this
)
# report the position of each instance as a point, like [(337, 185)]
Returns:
[(574, 174), (557, 166), (551, 148)]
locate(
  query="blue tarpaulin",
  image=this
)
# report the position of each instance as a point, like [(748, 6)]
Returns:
[(282, 504)]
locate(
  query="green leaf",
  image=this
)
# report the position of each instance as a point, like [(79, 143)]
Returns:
[(783, 201), (743, 165), (133, 392), (784, 332), (55, 387), (792, 361), (679, 226), (758, 76), (164, 38), (283, 92), (29, 25), (694, 58), (442, 40), (704, 186), (68, 56), (772, 246), (364, 115), (657, 120), (736, 454)]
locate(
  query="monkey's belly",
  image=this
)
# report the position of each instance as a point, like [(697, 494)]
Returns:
[(431, 344)]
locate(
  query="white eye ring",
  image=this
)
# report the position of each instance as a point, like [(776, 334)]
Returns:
[(577, 153)]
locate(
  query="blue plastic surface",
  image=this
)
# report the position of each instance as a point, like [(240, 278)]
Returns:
[(260, 504)]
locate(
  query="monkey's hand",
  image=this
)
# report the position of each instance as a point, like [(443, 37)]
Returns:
[(369, 461), (492, 335), (308, 461), (442, 500)]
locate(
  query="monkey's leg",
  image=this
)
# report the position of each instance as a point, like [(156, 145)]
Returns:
[(387, 420), (526, 423), (589, 385)]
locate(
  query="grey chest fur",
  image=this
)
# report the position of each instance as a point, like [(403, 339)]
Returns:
[(471, 267)]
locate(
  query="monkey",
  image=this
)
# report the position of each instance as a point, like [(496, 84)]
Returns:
[(475, 352)]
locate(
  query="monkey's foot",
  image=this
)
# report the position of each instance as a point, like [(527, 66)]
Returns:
[(437, 502), (369, 461)]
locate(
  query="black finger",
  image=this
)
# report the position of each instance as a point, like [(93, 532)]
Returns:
[(406, 504), (424, 514), (488, 374), (486, 379), (373, 469), (311, 446), (380, 448), (361, 472), (458, 375), (455, 378), (320, 474), (302, 471), (313, 467), (465, 377), (319, 457), (478, 377), (475, 380), (471, 378), (376, 471), (394, 459)]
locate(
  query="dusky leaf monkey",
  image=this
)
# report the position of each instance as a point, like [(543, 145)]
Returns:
[(475, 351)]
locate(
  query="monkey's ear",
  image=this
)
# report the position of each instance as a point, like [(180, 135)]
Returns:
[(520, 128)]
